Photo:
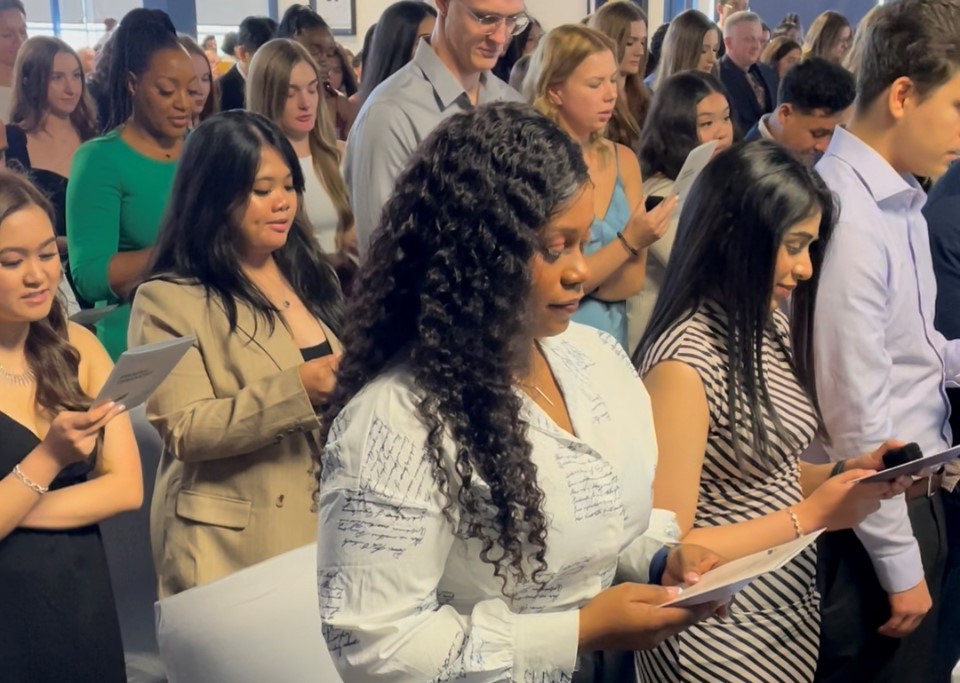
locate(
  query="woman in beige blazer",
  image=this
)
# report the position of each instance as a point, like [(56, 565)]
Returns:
[(237, 267)]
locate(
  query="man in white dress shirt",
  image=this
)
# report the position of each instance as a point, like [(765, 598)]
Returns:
[(881, 366)]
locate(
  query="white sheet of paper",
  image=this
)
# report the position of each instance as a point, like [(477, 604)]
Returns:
[(91, 316), (139, 371), (698, 158), (914, 467), (728, 579)]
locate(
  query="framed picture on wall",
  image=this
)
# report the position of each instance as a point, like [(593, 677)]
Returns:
[(340, 14)]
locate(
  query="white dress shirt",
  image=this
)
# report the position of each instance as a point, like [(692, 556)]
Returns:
[(404, 598), (880, 364)]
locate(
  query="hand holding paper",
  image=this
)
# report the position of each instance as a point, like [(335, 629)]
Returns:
[(629, 616), (687, 563), (920, 467), (722, 583), (139, 371)]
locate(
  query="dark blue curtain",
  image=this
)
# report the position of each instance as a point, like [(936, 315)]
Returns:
[(773, 11)]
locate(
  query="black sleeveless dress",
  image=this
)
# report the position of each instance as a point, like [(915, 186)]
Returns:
[(58, 621)]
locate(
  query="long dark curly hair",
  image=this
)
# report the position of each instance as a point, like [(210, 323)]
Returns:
[(444, 284)]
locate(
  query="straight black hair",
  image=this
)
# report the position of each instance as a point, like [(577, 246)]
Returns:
[(513, 52), (255, 32), (197, 241), (731, 228), (392, 47), (670, 131), (299, 18), (141, 34)]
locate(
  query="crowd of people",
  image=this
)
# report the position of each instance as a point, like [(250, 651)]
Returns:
[(452, 325)]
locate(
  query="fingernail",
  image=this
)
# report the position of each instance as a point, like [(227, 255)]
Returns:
[(673, 591)]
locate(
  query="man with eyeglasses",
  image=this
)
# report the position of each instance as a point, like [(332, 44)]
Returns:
[(449, 73)]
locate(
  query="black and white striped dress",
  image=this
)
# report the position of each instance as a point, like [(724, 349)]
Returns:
[(772, 632)]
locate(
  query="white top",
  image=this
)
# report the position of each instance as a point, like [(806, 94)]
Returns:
[(6, 99), (640, 306), (257, 624), (319, 206), (403, 598)]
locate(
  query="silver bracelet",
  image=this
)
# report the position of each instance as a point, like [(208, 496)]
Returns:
[(28, 482)]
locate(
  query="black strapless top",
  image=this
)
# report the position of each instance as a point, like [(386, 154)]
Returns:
[(58, 621), (318, 351)]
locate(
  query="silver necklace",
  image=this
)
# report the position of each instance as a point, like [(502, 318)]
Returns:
[(545, 397), (20, 379)]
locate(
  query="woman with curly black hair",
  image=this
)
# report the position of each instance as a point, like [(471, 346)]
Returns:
[(487, 464)]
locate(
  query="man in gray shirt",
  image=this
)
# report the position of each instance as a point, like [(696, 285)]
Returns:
[(449, 73)]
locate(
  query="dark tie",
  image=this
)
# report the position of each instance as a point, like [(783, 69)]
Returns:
[(758, 90)]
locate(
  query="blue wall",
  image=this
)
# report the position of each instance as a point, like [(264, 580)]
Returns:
[(773, 11)]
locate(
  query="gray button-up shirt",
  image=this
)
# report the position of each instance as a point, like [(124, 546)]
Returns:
[(397, 116)]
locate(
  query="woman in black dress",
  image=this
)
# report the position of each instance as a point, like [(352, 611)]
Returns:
[(64, 465), (50, 118)]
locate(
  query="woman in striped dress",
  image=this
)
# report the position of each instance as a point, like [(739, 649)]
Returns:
[(733, 411)]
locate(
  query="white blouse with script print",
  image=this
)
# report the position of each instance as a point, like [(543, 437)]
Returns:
[(403, 598)]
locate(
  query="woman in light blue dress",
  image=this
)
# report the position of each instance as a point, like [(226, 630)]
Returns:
[(575, 80)]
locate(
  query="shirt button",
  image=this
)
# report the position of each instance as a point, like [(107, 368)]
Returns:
[(280, 501)]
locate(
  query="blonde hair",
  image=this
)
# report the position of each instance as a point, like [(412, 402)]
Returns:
[(559, 54), (268, 83), (613, 20)]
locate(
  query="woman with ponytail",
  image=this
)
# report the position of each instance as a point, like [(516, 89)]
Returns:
[(119, 183), (64, 466)]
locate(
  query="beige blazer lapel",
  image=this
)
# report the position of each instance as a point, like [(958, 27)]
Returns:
[(278, 344)]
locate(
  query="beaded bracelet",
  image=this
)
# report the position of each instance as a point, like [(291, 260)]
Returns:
[(28, 482), (796, 522)]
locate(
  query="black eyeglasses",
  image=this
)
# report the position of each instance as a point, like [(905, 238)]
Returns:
[(516, 23)]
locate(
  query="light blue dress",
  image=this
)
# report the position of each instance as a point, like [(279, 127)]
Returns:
[(608, 316)]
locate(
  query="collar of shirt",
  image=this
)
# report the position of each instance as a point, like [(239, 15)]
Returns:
[(764, 129), (885, 185), (445, 85)]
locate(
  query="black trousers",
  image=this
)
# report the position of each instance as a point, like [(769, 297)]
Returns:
[(854, 606)]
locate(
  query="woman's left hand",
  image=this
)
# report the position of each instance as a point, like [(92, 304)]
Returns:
[(686, 563), (874, 461)]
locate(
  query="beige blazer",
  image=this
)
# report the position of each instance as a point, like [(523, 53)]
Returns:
[(234, 486)]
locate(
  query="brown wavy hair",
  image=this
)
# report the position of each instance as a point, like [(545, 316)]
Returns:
[(31, 82), (54, 362), (212, 105), (823, 34), (268, 82), (613, 20)]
